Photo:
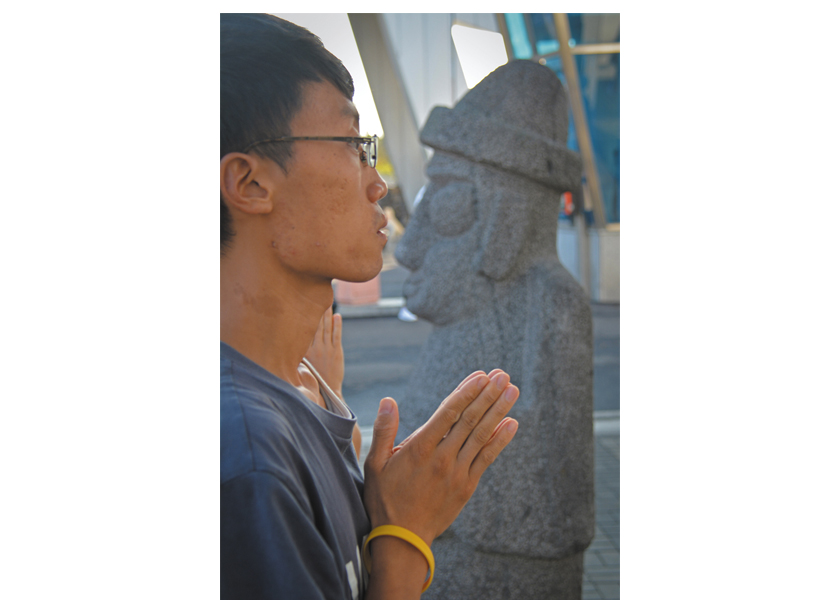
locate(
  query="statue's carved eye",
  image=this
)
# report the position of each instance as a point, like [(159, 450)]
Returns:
[(453, 207)]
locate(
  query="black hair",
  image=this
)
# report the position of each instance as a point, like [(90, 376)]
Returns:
[(264, 63)]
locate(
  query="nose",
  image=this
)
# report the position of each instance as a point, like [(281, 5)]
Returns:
[(377, 189)]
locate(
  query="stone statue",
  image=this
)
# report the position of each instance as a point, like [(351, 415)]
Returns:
[(481, 246)]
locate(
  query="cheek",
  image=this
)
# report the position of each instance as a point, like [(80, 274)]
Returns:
[(337, 194), (453, 209), (285, 245)]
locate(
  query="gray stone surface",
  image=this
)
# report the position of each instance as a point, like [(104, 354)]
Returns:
[(481, 248), (464, 572)]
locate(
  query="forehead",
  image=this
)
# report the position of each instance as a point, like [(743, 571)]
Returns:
[(324, 110)]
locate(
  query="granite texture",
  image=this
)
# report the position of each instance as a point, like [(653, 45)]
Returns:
[(481, 248)]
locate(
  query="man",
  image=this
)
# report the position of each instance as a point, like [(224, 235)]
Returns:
[(297, 212)]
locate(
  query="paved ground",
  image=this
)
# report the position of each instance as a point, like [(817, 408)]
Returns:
[(601, 562), (381, 352)]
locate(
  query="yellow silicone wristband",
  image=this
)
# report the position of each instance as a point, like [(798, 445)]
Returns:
[(404, 534)]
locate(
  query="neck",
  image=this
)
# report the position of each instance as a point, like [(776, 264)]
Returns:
[(271, 320)]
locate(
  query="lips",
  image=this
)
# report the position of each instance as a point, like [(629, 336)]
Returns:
[(383, 227)]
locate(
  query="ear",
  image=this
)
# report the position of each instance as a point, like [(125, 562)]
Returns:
[(245, 184), (502, 237)]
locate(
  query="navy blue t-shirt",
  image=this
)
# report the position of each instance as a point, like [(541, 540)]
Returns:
[(292, 517)]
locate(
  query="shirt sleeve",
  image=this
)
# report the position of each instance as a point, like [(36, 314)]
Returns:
[(270, 546)]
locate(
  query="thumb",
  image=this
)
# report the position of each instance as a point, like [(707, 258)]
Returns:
[(384, 433)]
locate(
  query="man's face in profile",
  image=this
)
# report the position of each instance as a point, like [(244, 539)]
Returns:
[(327, 221)]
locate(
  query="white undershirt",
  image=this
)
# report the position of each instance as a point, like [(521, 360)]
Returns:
[(334, 403)]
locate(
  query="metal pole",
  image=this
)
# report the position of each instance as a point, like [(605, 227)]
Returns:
[(611, 48), (561, 22)]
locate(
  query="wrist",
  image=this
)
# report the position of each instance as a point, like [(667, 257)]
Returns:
[(410, 539), (397, 566), (413, 528)]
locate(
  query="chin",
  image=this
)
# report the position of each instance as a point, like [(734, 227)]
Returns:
[(419, 308), (363, 276), (437, 312)]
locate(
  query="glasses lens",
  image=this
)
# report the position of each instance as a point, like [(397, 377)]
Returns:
[(371, 151)]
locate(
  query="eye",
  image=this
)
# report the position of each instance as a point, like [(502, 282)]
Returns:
[(453, 208), (359, 148)]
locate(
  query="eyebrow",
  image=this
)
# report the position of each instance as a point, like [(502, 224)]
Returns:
[(351, 111)]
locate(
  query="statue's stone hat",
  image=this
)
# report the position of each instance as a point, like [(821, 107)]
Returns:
[(515, 119)]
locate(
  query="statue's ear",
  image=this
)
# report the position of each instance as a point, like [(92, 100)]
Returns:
[(504, 233)]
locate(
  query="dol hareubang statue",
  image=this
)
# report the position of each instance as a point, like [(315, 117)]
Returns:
[(481, 246)]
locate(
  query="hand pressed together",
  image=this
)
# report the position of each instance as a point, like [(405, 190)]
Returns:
[(423, 484), (327, 356), (326, 352)]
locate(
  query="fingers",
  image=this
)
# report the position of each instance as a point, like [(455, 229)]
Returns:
[(319, 333), (384, 433), (471, 376), (466, 416), (472, 424), (326, 325), (480, 435), (449, 411), (336, 328), (329, 329), (418, 431), (501, 437)]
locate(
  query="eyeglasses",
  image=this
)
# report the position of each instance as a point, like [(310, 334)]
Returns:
[(367, 146)]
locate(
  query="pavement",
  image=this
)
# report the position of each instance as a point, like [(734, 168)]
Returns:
[(381, 351)]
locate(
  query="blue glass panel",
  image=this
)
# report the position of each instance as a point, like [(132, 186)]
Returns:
[(599, 76), (594, 28), (547, 46), (545, 35), (574, 28), (519, 41)]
